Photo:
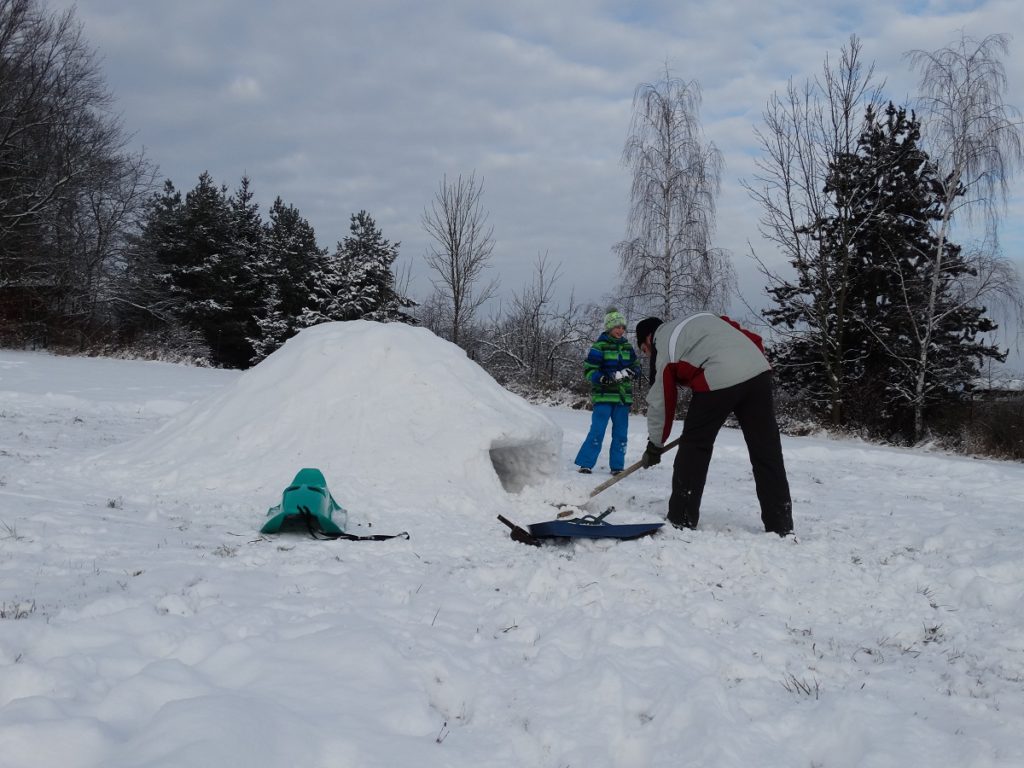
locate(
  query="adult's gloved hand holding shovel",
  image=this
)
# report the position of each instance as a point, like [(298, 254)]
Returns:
[(652, 455)]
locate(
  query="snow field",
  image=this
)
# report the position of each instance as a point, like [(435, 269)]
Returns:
[(148, 623)]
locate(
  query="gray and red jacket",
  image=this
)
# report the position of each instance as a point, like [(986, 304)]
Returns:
[(704, 352)]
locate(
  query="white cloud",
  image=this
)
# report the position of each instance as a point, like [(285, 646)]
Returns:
[(245, 89)]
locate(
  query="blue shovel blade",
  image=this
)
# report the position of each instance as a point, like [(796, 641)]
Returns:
[(601, 530)]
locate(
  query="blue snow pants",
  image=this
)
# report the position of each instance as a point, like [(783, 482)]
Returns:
[(591, 448)]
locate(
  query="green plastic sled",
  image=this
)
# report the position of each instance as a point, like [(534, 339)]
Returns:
[(308, 491)]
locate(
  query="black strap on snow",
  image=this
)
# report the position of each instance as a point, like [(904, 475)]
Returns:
[(320, 535)]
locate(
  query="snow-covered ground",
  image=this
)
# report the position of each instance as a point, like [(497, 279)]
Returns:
[(145, 622)]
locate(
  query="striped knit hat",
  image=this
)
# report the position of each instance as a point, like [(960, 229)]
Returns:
[(614, 319)]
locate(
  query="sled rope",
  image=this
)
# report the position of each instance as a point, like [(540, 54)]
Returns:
[(319, 535)]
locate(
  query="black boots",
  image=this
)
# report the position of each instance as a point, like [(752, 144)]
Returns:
[(684, 508), (779, 520)]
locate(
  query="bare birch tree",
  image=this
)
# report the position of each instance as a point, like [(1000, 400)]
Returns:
[(667, 262), (989, 276), (808, 132), (975, 139), (535, 340), (461, 251)]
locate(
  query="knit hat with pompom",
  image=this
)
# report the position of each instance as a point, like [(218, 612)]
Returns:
[(614, 319)]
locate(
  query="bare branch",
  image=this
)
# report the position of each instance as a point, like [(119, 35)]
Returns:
[(461, 251)]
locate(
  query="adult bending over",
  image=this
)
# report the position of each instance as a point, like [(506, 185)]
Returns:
[(725, 367)]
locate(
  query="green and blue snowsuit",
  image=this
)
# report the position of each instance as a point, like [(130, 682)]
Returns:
[(611, 401)]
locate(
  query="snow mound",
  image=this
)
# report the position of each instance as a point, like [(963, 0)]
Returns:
[(383, 410)]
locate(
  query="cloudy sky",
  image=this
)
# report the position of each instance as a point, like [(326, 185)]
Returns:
[(343, 105)]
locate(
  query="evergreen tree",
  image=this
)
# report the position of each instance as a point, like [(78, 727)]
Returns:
[(293, 248), (358, 282), (240, 275), (274, 326), (809, 131), (151, 302), (293, 268), (198, 268), (818, 358), (897, 275), (879, 258), (367, 258)]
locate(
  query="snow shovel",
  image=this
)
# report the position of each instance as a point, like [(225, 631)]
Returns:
[(592, 527), (570, 509), (586, 527)]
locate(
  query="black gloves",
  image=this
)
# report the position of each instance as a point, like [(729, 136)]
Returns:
[(606, 379), (651, 456)]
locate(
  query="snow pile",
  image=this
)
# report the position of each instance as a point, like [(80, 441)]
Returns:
[(381, 409)]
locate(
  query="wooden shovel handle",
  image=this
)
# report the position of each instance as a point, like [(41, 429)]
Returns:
[(629, 470)]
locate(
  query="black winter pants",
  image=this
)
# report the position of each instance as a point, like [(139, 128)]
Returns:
[(752, 403)]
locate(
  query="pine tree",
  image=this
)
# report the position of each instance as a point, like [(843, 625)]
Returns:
[(292, 270), (879, 258), (151, 302), (197, 269), (367, 258), (809, 131), (898, 271), (357, 282), (274, 326), (816, 360), (241, 278)]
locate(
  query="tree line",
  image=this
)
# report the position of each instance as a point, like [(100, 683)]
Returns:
[(881, 321), (211, 274)]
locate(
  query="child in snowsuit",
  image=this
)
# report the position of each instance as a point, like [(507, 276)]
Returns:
[(610, 368)]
